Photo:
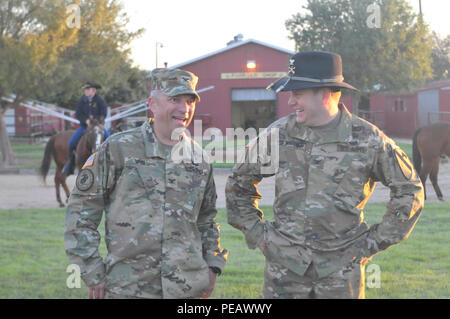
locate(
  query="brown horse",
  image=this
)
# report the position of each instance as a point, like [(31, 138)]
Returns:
[(58, 147), (429, 143)]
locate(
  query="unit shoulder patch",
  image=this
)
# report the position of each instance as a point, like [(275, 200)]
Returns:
[(85, 180)]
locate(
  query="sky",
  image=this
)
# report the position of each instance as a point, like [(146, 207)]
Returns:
[(189, 29)]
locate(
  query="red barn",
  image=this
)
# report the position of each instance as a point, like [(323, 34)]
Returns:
[(34, 123), (240, 73), (404, 113)]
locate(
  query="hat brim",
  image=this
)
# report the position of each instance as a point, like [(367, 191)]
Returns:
[(294, 85), (95, 86), (181, 92)]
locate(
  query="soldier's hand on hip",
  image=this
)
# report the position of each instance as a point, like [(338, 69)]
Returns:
[(212, 283), (261, 245), (97, 292)]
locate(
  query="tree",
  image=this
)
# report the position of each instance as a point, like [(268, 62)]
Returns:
[(32, 35), (383, 44), (100, 53), (441, 57), (44, 56)]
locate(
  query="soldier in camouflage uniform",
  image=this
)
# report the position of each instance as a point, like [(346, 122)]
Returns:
[(160, 229), (329, 162)]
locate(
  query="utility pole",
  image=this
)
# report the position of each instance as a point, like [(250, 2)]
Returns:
[(156, 52), (420, 8)]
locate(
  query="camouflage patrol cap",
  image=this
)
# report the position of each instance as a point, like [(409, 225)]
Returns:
[(174, 82)]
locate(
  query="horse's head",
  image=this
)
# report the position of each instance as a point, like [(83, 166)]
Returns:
[(94, 134)]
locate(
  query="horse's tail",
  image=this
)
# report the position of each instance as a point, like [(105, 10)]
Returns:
[(47, 160), (417, 159)]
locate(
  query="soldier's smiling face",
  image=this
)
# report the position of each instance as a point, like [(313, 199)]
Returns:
[(309, 106), (172, 112)]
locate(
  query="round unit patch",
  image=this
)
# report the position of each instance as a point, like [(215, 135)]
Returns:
[(85, 180)]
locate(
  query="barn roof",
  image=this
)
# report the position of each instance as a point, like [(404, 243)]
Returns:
[(230, 47)]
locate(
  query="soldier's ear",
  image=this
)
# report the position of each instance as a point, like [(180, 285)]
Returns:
[(151, 103)]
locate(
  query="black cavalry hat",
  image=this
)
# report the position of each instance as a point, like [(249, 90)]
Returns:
[(94, 85), (312, 69)]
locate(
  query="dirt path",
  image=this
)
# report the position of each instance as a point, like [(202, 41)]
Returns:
[(28, 191)]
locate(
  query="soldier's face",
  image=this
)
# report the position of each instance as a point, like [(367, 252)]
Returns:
[(308, 106), (90, 92), (173, 111)]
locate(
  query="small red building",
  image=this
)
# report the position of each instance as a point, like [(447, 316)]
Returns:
[(240, 73), (404, 113), (30, 123)]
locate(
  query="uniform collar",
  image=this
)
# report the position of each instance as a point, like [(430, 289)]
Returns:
[(153, 147), (303, 132)]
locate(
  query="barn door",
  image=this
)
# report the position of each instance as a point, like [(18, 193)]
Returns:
[(428, 104)]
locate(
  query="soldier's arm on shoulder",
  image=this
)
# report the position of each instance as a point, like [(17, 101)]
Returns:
[(83, 215), (242, 198), (214, 255), (394, 169)]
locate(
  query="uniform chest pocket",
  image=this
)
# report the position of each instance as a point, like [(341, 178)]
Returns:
[(185, 190), (350, 191), (130, 185), (288, 180), (143, 183)]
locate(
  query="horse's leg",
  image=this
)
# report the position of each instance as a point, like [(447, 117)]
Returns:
[(57, 184), (66, 189), (434, 177), (426, 169)]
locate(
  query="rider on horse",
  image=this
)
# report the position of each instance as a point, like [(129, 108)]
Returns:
[(89, 105)]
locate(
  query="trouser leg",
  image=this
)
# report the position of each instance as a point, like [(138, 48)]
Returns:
[(281, 283), (70, 165), (347, 283)]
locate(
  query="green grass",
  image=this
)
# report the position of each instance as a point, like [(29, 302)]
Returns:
[(407, 148), (28, 147), (33, 262)]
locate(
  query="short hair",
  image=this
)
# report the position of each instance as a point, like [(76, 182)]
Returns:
[(155, 94), (333, 89)]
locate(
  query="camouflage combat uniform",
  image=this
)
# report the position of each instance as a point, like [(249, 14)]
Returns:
[(161, 233), (318, 243)]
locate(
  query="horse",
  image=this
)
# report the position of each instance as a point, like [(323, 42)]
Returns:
[(58, 148), (429, 143)]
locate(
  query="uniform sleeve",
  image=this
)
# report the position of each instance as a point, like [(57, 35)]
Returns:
[(242, 196), (393, 168), (83, 215), (79, 114), (103, 107), (214, 255)]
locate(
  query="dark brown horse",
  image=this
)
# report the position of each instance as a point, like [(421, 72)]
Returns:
[(429, 143), (58, 148)]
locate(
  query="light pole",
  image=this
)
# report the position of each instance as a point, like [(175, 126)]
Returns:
[(156, 52)]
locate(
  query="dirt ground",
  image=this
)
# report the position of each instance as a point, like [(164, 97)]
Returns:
[(29, 192)]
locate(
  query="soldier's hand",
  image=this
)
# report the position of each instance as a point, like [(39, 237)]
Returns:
[(212, 283), (261, 245), (97, 292)]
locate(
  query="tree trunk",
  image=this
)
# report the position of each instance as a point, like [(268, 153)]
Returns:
[(8, 157)]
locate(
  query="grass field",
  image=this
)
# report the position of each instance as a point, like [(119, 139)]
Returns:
[(30, 156), (33, 262)]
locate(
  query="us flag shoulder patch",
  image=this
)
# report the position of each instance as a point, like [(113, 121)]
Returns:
[(89, 162)]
